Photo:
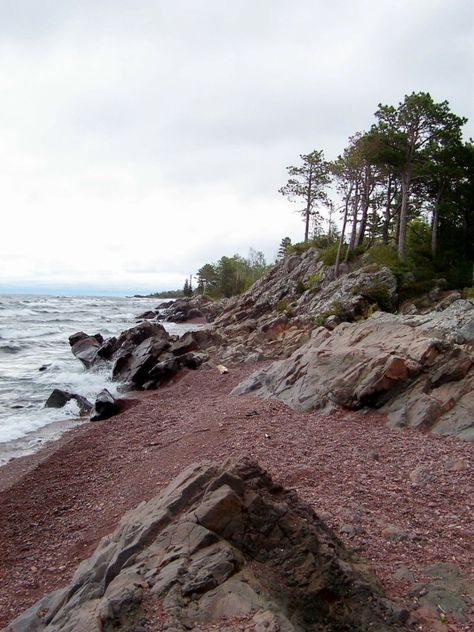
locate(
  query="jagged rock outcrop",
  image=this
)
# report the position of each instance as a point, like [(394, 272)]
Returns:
[(279, 312), (409, 364), (220, 548)]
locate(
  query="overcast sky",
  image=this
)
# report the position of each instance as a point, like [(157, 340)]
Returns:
[(140, 139)]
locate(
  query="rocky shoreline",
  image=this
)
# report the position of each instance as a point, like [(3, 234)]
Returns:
[(282, 371)]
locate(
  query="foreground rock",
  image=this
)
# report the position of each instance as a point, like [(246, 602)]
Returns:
[(411, 366), (222, 547)]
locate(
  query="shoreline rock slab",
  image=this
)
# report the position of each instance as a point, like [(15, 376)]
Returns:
[(410, 366)]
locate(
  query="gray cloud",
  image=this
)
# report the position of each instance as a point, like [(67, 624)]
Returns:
[(135, 117)]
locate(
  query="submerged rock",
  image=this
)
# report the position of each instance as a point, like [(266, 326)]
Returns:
[(219, 544)]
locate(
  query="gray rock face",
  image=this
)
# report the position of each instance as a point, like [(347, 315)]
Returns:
[(215, 545), (425, 382), (277, 314)]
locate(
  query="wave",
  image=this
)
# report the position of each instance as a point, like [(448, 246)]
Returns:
[(11, 347)]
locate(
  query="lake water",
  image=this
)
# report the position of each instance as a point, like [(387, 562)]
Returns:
[(34, 333)]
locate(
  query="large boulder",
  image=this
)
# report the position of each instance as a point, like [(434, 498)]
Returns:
[(422, 379), (221, 548), (85, 347)]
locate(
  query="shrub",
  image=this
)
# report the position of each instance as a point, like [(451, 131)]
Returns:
[(300, 247), (300, 287), (328, 255), (376, 292), (314, 279), (468, 292), (414, 289), (383, 255)]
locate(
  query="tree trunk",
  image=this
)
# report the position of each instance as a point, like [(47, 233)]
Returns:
[(341, 238), (434, 231), (403, 222), (435, 223), (308, 207), (355, 207), (306, 226), (386, 222), (365, 207)]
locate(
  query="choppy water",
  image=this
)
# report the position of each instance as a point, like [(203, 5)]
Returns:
[(34, 332)]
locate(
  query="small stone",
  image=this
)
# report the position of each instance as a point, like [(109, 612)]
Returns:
[(394, 533)]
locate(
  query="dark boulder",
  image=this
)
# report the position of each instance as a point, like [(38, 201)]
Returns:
[(85, 347), (105, 406), (163, 372), (59, 398), (108, 348), (134, 364), (135, 335), (193, 360), (149, 315)]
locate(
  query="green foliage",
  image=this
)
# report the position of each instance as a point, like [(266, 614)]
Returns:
[(300, 287), (314, 279), (188, 288), (328, 255), (376, 292), (231, 276), (308, 182), (284, 248), (300, 247), (383, 255), (324, 240), (336, 308), (372, 309), (468, 292), (414, 289), (284, 306)]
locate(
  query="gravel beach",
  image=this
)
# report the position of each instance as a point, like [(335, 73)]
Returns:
[(404, 500)]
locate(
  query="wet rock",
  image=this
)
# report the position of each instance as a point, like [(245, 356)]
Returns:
[(107, 348), (59, 398), (85, 347), (149, 315), (105, 406), (218, 543)]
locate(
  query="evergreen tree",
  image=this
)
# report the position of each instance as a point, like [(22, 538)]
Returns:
[(283, 248), (308, 183)]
